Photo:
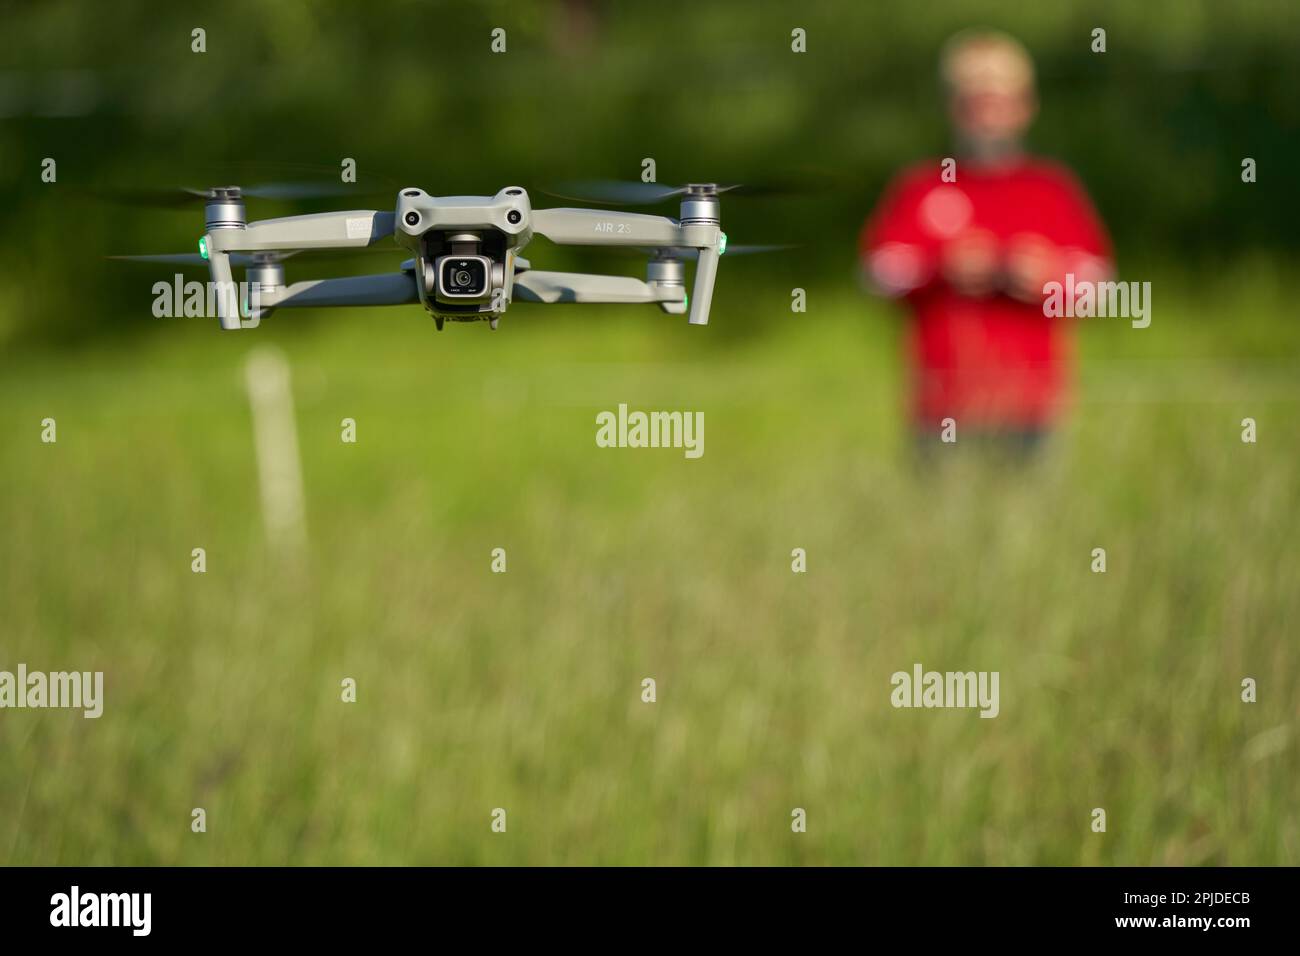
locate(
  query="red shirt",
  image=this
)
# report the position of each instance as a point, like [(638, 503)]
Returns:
[(991, 361)]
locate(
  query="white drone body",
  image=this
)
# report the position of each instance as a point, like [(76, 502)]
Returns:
[(464, 255)]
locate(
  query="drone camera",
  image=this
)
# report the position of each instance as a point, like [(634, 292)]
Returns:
[(463, 277)]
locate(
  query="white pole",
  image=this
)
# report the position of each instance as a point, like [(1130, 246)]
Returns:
[(279, 472)]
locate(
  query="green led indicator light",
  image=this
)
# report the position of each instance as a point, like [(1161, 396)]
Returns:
[(203, 247), (722, 245)]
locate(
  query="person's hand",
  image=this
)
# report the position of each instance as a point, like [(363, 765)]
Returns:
[(970, 262), (1032, 261)]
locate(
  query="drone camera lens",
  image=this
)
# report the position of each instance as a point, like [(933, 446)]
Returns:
[(513, 217), (463, 277), (412, 218)]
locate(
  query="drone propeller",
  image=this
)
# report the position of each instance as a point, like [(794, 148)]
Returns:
[(634, 193), (691, 254), (181, 196), (194, 259), (268, 180), (631, 193), (257, 258), (729, 251)]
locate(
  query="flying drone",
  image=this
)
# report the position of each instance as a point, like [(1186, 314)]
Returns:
[(464, 259)]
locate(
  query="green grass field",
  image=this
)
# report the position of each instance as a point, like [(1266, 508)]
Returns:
[(523, 690)]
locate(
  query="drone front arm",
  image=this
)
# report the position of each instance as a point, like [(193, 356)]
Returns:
[(540, 286), (223, 281), (597, 227), (352, 229), (706, 271)]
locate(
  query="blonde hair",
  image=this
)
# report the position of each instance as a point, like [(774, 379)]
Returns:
[(985, 60)]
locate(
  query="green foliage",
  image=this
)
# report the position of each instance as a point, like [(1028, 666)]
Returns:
[(1157, 126)]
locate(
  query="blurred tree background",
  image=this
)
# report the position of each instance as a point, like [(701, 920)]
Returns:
[(1156, 126)]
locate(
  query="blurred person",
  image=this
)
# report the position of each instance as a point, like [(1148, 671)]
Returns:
[(968, 247)]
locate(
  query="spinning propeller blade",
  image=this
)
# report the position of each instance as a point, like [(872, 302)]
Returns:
[(178, 258), (249, 259), (632, 193), (182, 196), (729, 251)]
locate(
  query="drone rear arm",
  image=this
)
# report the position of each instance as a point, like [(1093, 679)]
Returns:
[(540, 286), (397, 288), (534, 285)]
